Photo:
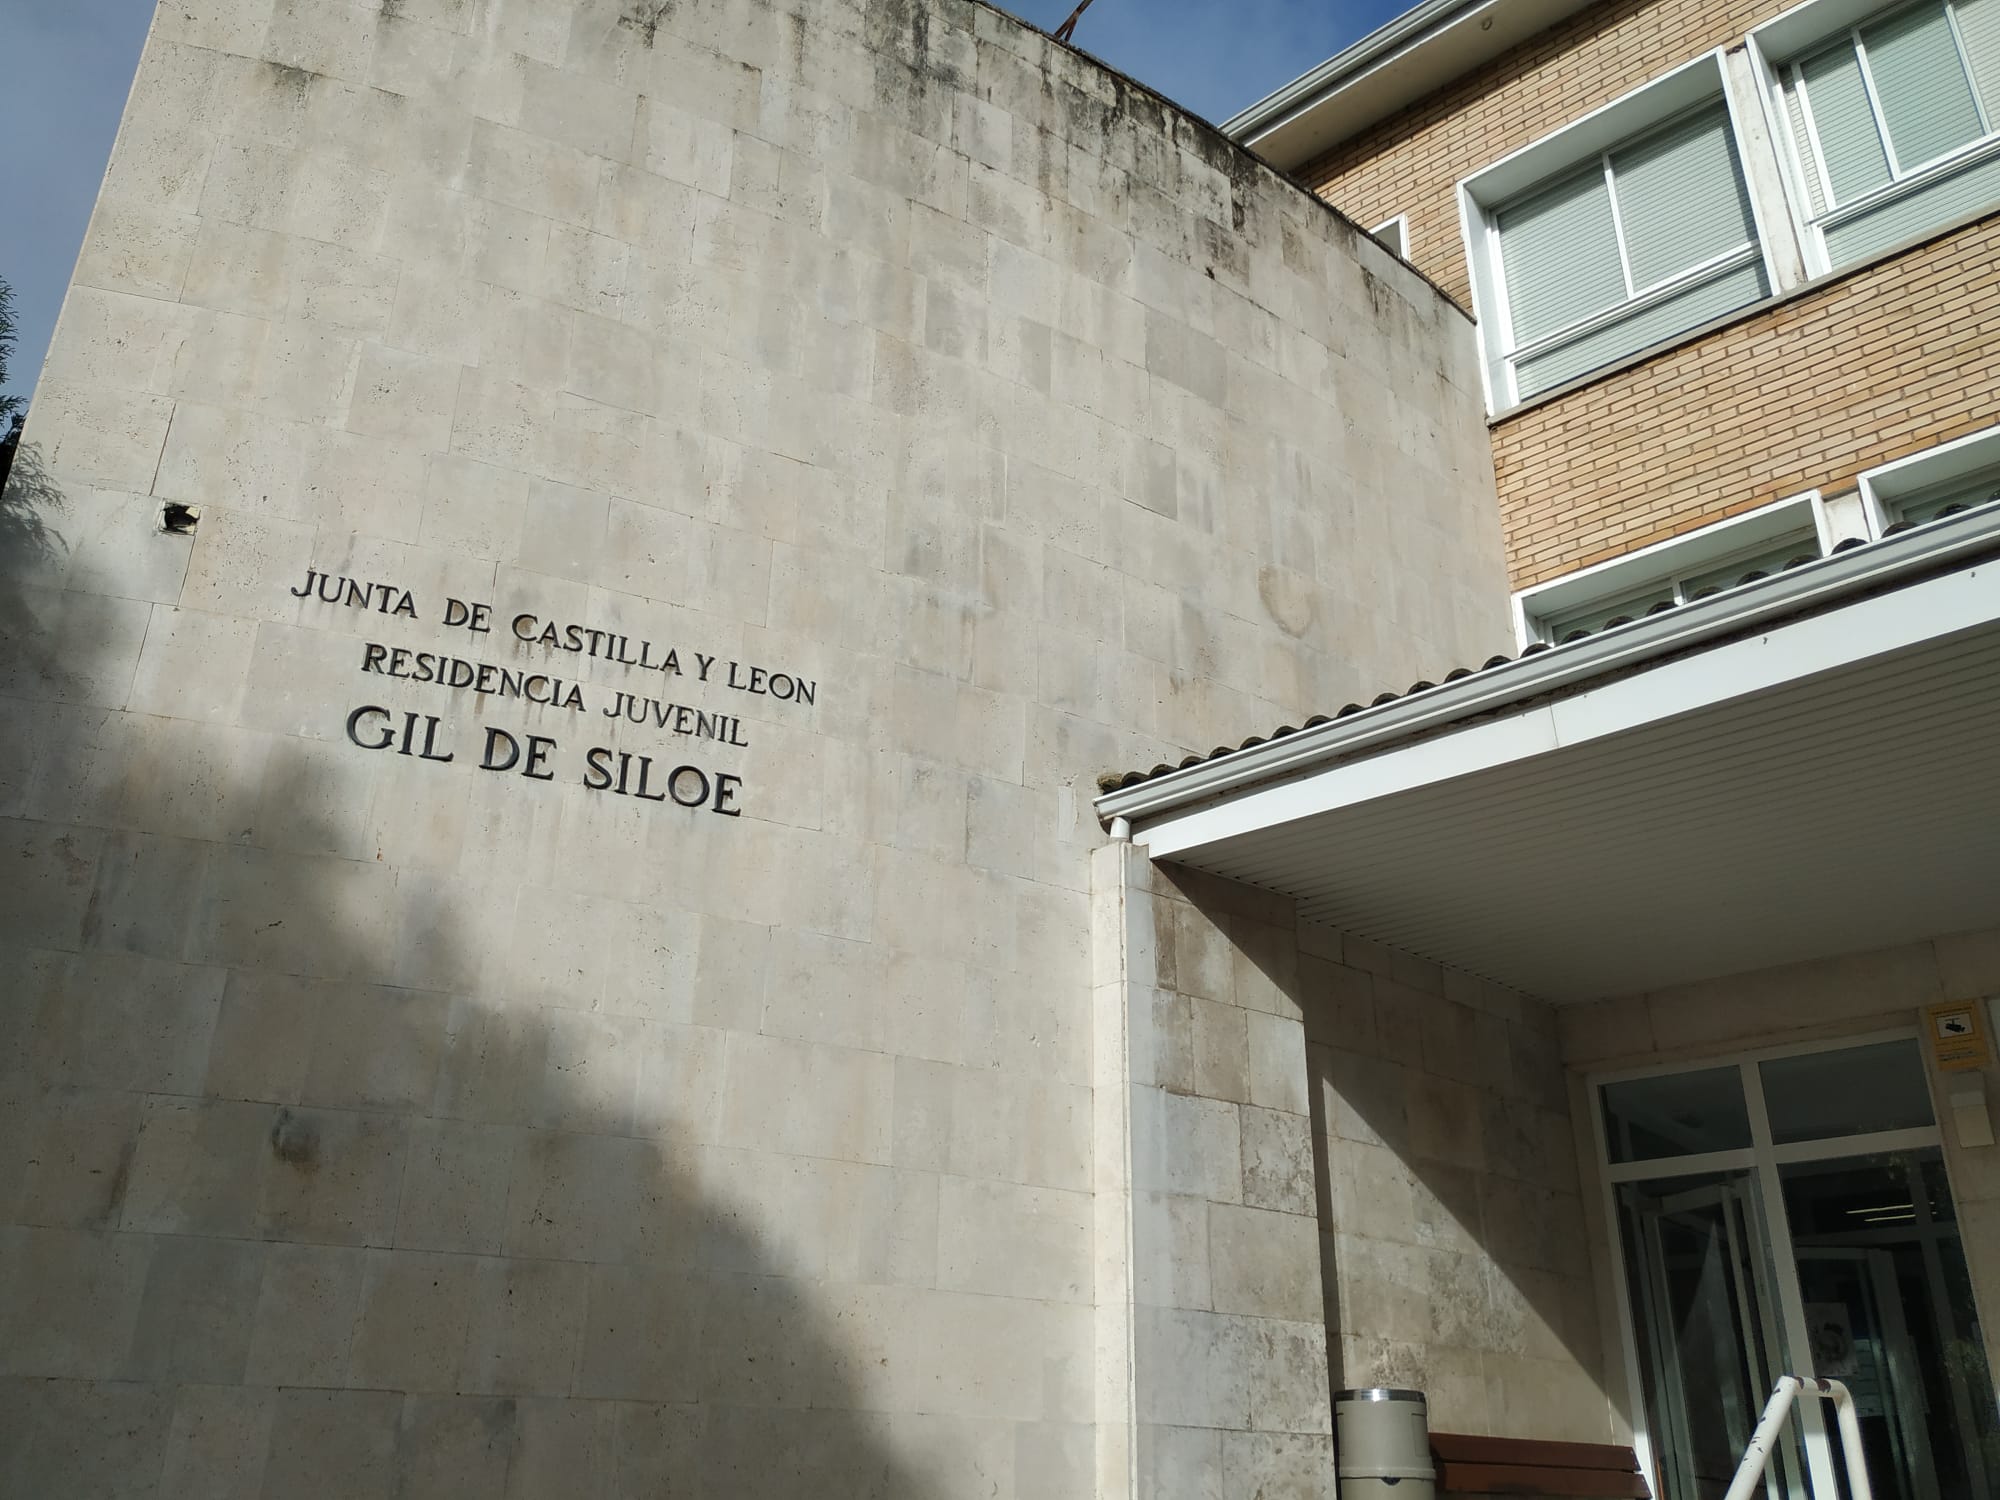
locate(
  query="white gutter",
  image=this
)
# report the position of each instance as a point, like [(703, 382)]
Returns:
[(1303, 92), (1809, 587)]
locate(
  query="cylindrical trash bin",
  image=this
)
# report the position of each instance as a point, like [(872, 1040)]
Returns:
[(1382, 1445)]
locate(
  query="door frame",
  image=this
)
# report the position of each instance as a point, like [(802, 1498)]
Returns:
[(1740, 1201), (1762, 1158)]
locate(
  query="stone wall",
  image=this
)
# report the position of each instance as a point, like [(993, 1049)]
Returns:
[(1453, 1240), (914, 420), (1334, 1165), (1205, 1178)]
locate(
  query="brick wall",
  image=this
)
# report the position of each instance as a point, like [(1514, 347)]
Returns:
[(1890, 361), (1881, 364)]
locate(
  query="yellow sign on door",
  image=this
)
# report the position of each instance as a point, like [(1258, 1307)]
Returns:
[(1958, 1036)]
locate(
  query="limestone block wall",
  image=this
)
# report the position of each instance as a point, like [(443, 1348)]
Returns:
[(1334, 1165), (1453, 1235), (572, 569), (1205, 1188)]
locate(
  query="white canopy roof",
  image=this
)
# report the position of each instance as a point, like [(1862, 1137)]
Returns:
[(1419, 51), (1806, 766)]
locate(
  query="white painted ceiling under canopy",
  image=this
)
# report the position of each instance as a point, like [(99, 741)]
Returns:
[(1827, 786)]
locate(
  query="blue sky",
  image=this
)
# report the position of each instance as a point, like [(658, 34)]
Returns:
[(65, 66)]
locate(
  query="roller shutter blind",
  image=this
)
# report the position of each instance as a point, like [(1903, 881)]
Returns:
[(1704, 298), (1795, 108), (1929, 84), (1850, 145), (1681, 198), (1651, 238), (1559, 255), (1979, 30), (1951, 194), (1920, 82)]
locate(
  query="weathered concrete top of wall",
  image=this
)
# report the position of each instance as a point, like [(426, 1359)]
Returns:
[(1203, 323), (877, 409)]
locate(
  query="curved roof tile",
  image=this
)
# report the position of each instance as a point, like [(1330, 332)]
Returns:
[(1118, 782)]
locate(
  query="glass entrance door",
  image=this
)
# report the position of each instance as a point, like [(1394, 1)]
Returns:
[(1697, 1264), (1888, 1311), (1790, 1212)]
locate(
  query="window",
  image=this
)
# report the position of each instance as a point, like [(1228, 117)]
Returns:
[(1625, 229), (1927, 505), (1394, 235), (1679, 571), (1675, 1114), (1814, 1095), (1892, 121), (1632, 246), (1675, 588), (1922, 487)]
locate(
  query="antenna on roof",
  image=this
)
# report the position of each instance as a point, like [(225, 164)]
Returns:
[(1068, 28)]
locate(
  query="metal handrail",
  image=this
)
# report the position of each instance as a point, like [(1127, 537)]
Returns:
[(1764, 1441)]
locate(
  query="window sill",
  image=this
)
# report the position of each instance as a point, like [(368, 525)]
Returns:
[(1744, 314), (1928, 176)]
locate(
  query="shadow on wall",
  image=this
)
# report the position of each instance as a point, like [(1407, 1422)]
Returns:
[(1455, 1253), (10, 443), (278, 1226), (30, 546)]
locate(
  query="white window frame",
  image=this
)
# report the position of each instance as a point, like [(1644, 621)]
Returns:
[(1691, 552), (1763, 1158), (1788, 39), (1401, 224), (1697, 83), (1884, 488)]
